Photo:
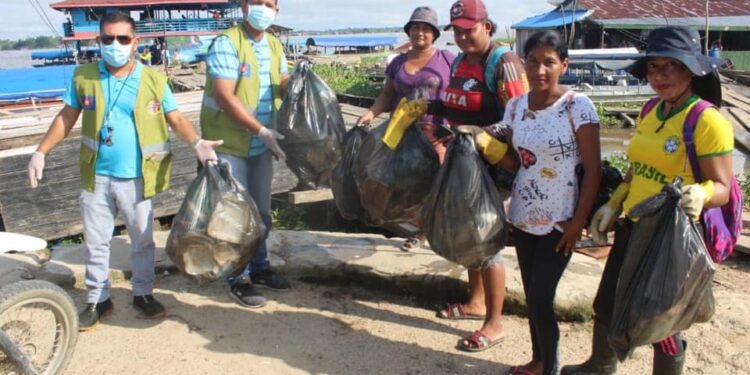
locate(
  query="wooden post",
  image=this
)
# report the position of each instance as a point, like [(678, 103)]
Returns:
[(572, 25), (706, 41)]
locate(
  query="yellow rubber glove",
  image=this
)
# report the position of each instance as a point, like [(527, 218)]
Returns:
[(490, 147), (605, 216), (695, 196), (405, 114)]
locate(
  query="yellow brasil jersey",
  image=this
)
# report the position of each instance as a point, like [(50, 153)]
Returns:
[(657, 151)]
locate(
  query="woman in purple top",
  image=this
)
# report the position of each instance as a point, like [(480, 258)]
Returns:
[(421, 73)]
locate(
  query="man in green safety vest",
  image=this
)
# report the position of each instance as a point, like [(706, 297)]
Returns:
[(125, 159), (247, 74)]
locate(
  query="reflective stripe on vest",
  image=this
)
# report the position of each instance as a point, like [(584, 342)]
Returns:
[(209, 102), (89, 142)]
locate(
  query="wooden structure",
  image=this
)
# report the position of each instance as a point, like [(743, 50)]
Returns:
[(154, 18), (51, 211)]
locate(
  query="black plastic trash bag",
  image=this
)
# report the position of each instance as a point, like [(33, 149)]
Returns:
[(343, 185), (310, 120), (611, 179), (218, 227), (463, 217), (665, 280), (393, 184)]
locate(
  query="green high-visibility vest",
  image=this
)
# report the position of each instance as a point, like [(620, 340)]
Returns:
[(217, 124), (150, 124)]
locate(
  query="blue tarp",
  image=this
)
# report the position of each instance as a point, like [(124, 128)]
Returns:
[(51, 54), (38, 83), (551, 19)]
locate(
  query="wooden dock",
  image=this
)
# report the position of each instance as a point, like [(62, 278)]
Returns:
[(52, 211)]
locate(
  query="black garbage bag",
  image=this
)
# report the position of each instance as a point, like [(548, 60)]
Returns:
[(611, 179), (218, 227), (310, 120), (343, 185), (463, 217), (393, 184), (665, 280)]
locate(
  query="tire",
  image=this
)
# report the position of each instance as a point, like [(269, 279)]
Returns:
[(41, 299)]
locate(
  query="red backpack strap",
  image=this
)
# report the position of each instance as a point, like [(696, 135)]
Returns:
[(650, 104), (688, 132)]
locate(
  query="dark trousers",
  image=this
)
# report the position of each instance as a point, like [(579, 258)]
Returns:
[(541, 270), (605, 297)]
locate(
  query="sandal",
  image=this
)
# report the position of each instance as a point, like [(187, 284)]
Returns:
[(478, 342), (411, 243), (457, 311)]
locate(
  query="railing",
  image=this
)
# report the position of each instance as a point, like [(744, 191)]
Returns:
[(184, 25)]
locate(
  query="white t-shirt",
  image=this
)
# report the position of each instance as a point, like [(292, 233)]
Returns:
[(545, 189)]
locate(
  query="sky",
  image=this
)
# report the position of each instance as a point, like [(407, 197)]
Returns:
[(20, 20)]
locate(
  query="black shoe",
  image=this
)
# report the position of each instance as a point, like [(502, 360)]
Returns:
[(246, 295), (148, 306), (88, 319), (269, 279)]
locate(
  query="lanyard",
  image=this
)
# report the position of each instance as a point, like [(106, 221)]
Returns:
[(111, 105)]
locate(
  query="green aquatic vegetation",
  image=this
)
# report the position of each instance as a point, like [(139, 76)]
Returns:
[(346, 80)]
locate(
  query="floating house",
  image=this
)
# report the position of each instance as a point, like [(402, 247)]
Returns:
[(154, 18), (590, 24)]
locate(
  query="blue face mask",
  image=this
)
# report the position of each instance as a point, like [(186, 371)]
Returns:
[(260, 17), (115, 54)]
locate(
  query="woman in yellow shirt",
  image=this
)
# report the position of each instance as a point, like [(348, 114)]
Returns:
[(681, 76)]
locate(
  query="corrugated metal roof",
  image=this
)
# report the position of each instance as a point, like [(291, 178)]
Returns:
[(127, 3), (633, 9), (735, 23), (551, 19)]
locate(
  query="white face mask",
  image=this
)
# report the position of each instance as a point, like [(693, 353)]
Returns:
[(260, 17), (116, 54)]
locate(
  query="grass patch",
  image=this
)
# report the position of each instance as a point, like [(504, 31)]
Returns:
[(620, 161), (346, 80), (373, 60), (285, 215), (606, 120)]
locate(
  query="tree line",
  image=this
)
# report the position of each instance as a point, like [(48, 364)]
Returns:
[(30, 43)]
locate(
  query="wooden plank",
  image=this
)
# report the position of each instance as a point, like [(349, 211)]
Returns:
[(741, 130), (310, 196)]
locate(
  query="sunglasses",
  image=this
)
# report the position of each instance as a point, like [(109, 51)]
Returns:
[(122, 39), (108, 140)]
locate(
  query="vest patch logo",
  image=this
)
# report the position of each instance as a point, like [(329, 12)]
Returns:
[(470, 85), (245, 70), (89, 102), (671, 145), (153, 107)]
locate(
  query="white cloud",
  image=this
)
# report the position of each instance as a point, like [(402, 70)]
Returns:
[(19, 19)]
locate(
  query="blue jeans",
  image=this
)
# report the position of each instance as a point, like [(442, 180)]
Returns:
[(541, 270), (255, 173), (99, 209)]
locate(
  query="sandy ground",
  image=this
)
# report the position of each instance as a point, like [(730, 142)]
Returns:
[(319, 329)]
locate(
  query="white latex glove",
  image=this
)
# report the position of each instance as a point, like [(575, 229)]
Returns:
[(205, 152), (35, 168), (693, 199), (601, 222), (269, 137)]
